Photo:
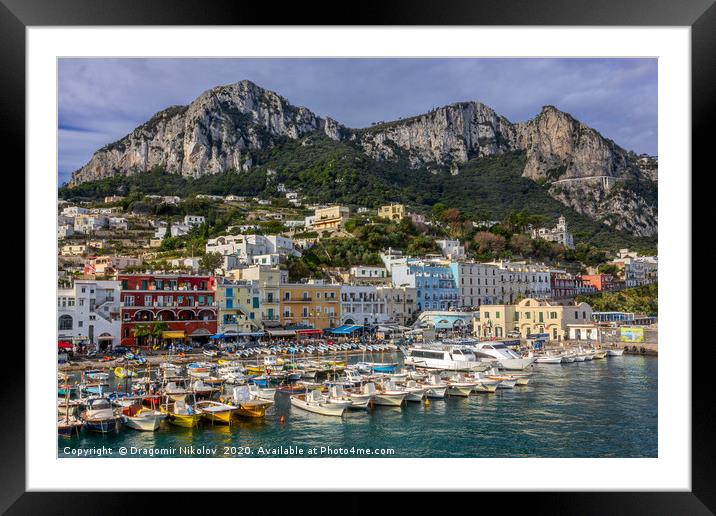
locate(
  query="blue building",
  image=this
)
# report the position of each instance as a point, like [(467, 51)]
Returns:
[(433, 280)]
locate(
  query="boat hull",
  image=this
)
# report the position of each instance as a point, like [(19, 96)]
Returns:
[(330, 409), (103, 426), (516, 364), (615, 352), (436, 392), (145, 423), (460, 390), (388, 400)]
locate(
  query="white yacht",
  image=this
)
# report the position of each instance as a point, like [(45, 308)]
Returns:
[(448, 358), (504, 356)]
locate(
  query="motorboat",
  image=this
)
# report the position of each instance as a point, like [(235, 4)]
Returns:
[(548, 359), (263, 393), (99, 416), (387, 396), (443, 357), (415, 392), (614, 352), (215, 411), (144, 419), (460, 387), (357, 400), (504, 356), (435, 387), (317, 403)]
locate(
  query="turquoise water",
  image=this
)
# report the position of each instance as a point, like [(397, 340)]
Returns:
[(602, 408)]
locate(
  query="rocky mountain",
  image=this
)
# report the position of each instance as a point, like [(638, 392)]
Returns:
[(212, 134), (225, 126)]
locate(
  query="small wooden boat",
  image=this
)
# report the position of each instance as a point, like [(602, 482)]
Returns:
[(388, 396), (67, 406), (179, 413), (357, 400), (415, 392), (319, 404), (615, 352), (460, 387), (263, 393), (215, 411), (65, 389), (248, 406), (598, 355), (143, 419), (436, 388)]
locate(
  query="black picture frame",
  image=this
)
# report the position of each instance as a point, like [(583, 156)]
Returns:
[(700, 15)]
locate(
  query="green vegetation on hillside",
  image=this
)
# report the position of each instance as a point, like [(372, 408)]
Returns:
[(642, 300), (329, 171)]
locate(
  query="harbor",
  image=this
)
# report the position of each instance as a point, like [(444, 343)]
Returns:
[(360, 402)]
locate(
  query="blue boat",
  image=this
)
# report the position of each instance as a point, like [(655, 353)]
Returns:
[(388, 368), (261, 381)]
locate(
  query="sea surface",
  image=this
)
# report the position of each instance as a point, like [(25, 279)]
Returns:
[(601, 408)]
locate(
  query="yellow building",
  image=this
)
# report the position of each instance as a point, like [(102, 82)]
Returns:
[(270, 280), (394, 212), (239, 306), (313, 304), (530, 316), (331, 218)]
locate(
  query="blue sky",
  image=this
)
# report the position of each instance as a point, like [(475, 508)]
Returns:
[(102, 100)]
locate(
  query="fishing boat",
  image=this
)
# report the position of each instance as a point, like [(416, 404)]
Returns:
[(505, 381), (415, 392), (548, 358), (248, 406), (436, 388), (199, 388), (180, 413), (65, 389), (317, 403), (99, 416), (614, 352), (579, 357), (263, 393), (386, 396), (144, 419), (215, 411), (68, 407), (357, 400), (460, 387), (124, 399), (599, 354)]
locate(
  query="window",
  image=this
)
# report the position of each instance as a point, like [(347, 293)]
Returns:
[(64, 322)]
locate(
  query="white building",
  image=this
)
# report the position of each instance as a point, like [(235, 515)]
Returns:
[(366, 273), (73, 211), (451, 249), (399, 303), (88, 223), (118, 223), (360, 304), (248, 246), (89, 313), (521, 279), (557, 234), (194, 220)]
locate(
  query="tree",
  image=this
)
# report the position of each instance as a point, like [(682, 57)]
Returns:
[(489, 243), (521, 244), (210, 262)]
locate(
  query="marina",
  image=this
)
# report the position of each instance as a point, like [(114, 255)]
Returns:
[(360, 399)]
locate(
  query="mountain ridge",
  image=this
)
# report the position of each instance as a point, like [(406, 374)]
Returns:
[(227, 126)]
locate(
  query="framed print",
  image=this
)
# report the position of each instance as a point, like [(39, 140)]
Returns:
[(389, 255)]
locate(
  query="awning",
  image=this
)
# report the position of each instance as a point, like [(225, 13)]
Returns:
[(64, 344), (250, 334), (217, 336), (173, 335), (282, 333), (345, 329), (200, 332), (105, 337), (309, 332)]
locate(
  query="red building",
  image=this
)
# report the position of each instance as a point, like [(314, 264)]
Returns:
[(186, 305), (563, 285), (602, 282)]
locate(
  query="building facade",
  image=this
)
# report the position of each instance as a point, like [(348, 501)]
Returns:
[(361, 304), (329, 219), (184, 305), (394, 212), (238, 306), (531, 316), (477, 283), (89, 313), (399, 302), (433, 281), (558, 234), (312, 304), (269, 280)]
